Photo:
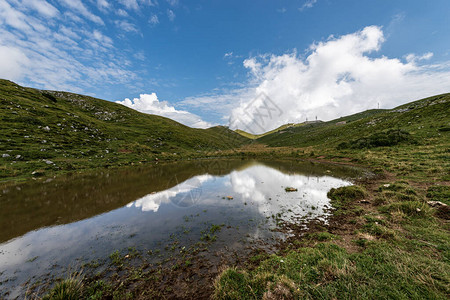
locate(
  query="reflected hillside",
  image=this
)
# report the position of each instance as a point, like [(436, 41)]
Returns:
[(68, 199), (72, 198)]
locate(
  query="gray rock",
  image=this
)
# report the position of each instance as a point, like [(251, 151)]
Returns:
[(5, 155), (436, 203)]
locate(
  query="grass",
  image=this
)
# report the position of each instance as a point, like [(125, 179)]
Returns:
[(48, 132), (342, 196), (421, 121), (392, 245), (411, 263), (68, 289), (256, 136)]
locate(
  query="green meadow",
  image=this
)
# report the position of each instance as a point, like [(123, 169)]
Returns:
[(388, 237)]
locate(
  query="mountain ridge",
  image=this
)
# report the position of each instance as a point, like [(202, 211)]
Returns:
[(48, 132), (71, 130)]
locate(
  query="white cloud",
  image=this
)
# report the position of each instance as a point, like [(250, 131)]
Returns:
[(152, 202), (82, 9), (135, 4), (69, 32), (414, 58), (308, 4), (57, 55), (103, 4), (122, 13), (149, 103), (153, 20), (13, 17), (130, 4), (173, 2), (139, 55), (126, 26), (42, 6), (13, 67), (103, 39), (171, 15), (336, 78)]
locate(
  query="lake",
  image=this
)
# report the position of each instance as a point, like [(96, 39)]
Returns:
[(228, 207)]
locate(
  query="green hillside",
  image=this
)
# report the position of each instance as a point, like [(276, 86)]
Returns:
[(392, 227), (421, 120), (45, 131), (257, 136)]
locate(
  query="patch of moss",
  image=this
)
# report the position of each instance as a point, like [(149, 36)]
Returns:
[(342, 196)]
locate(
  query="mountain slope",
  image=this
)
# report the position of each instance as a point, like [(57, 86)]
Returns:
[(423, 119), (256, 136), (63, 127)]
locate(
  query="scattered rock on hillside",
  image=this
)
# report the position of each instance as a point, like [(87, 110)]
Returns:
[(38, 173), (436, 203)]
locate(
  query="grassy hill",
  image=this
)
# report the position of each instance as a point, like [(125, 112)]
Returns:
[(389, 228), (44, 131), (383, 229), (256, 136), (423, 119)]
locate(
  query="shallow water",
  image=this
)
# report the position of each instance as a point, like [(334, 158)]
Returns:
[(49, 227)]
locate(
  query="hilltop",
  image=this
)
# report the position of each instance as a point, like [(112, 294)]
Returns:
[(257, 136), (49, 131), (422, 119)]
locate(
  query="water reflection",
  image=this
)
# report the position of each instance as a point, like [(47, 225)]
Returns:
[(184, 194), (258, 185), (142, 208)]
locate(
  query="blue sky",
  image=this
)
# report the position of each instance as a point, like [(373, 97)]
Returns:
[(205, 62)]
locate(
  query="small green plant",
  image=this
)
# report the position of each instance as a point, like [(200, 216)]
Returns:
[(68, 289), (342, 196), (116, 258)]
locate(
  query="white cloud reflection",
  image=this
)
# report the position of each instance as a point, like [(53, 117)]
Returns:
[(260, 186), (152, 202)]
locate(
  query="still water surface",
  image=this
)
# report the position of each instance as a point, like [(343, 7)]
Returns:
[(52, 226)]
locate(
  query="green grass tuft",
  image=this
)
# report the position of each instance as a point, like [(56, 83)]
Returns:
[(68, 289)]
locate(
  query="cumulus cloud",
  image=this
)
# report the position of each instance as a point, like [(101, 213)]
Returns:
[(339, 76), (149, 103)]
